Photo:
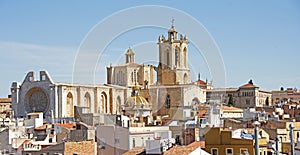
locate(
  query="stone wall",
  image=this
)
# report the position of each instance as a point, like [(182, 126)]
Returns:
[(84, 147)]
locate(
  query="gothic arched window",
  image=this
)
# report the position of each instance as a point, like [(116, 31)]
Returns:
[(168, 102)]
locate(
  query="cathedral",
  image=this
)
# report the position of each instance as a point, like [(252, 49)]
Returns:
[(57, 99), (129, 86)]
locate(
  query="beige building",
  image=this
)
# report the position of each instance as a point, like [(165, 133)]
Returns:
[(174, 102), (247, 95), (5, 110), (219, 141), (5, 104), (285, 95), (130, 73), (64, 148)]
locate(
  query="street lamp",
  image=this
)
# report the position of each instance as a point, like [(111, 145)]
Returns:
[(292, 138), (256, 124), (276, 145)]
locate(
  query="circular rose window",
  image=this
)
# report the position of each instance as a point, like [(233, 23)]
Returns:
[(36, 100)]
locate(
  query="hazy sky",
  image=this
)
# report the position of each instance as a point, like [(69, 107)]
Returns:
[(258, 40)]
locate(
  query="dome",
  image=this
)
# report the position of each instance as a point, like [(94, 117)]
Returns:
[(136, 102)]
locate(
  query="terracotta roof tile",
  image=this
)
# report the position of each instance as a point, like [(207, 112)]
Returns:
[(43, 127), (182, 150), (248, 85), (197, 143), (69, 125), (227, 108), (5, 100), (25, 142), (200, 82), (135, 151)]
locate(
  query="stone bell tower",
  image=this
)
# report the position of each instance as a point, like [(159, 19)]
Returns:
[(173, 58)]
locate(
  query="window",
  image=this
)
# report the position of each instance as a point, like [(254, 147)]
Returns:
[(117, 141), (244, 151), (177, 140), (168, 59), (134, 76), (133, 142), (43, 77), (176, 57), (247, 101), (102, 143), (214, 151), (229, 151), (168, 100), (192, 114)]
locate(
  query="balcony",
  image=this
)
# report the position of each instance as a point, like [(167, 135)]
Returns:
[(32, 147)]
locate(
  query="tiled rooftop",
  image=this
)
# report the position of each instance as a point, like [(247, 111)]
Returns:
[(5, 100)]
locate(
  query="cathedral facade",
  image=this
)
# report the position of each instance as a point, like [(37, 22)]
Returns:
[(57, 100)]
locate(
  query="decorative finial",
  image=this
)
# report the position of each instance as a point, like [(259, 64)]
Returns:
[(198, 76), (172, 22)]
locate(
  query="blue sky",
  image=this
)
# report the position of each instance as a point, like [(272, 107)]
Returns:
[(258, 40)]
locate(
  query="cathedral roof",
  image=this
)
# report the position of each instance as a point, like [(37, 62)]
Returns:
[(248, 85), (135, 101)]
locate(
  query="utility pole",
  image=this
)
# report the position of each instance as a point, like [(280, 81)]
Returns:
[(256, 124), (276, 145), (292, 138)]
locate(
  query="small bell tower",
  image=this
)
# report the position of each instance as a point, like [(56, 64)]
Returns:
[(129, 56)]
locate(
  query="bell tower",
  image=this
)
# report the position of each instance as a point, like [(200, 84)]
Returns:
[(129, 56), (173, 58)]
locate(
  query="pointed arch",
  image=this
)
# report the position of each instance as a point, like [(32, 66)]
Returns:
[(96, 103), (177, 57), (185, 57), (119, 105), (70, 105), (87, 100), (185, 78), (104, 102), (168, 59), (195, 101)]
